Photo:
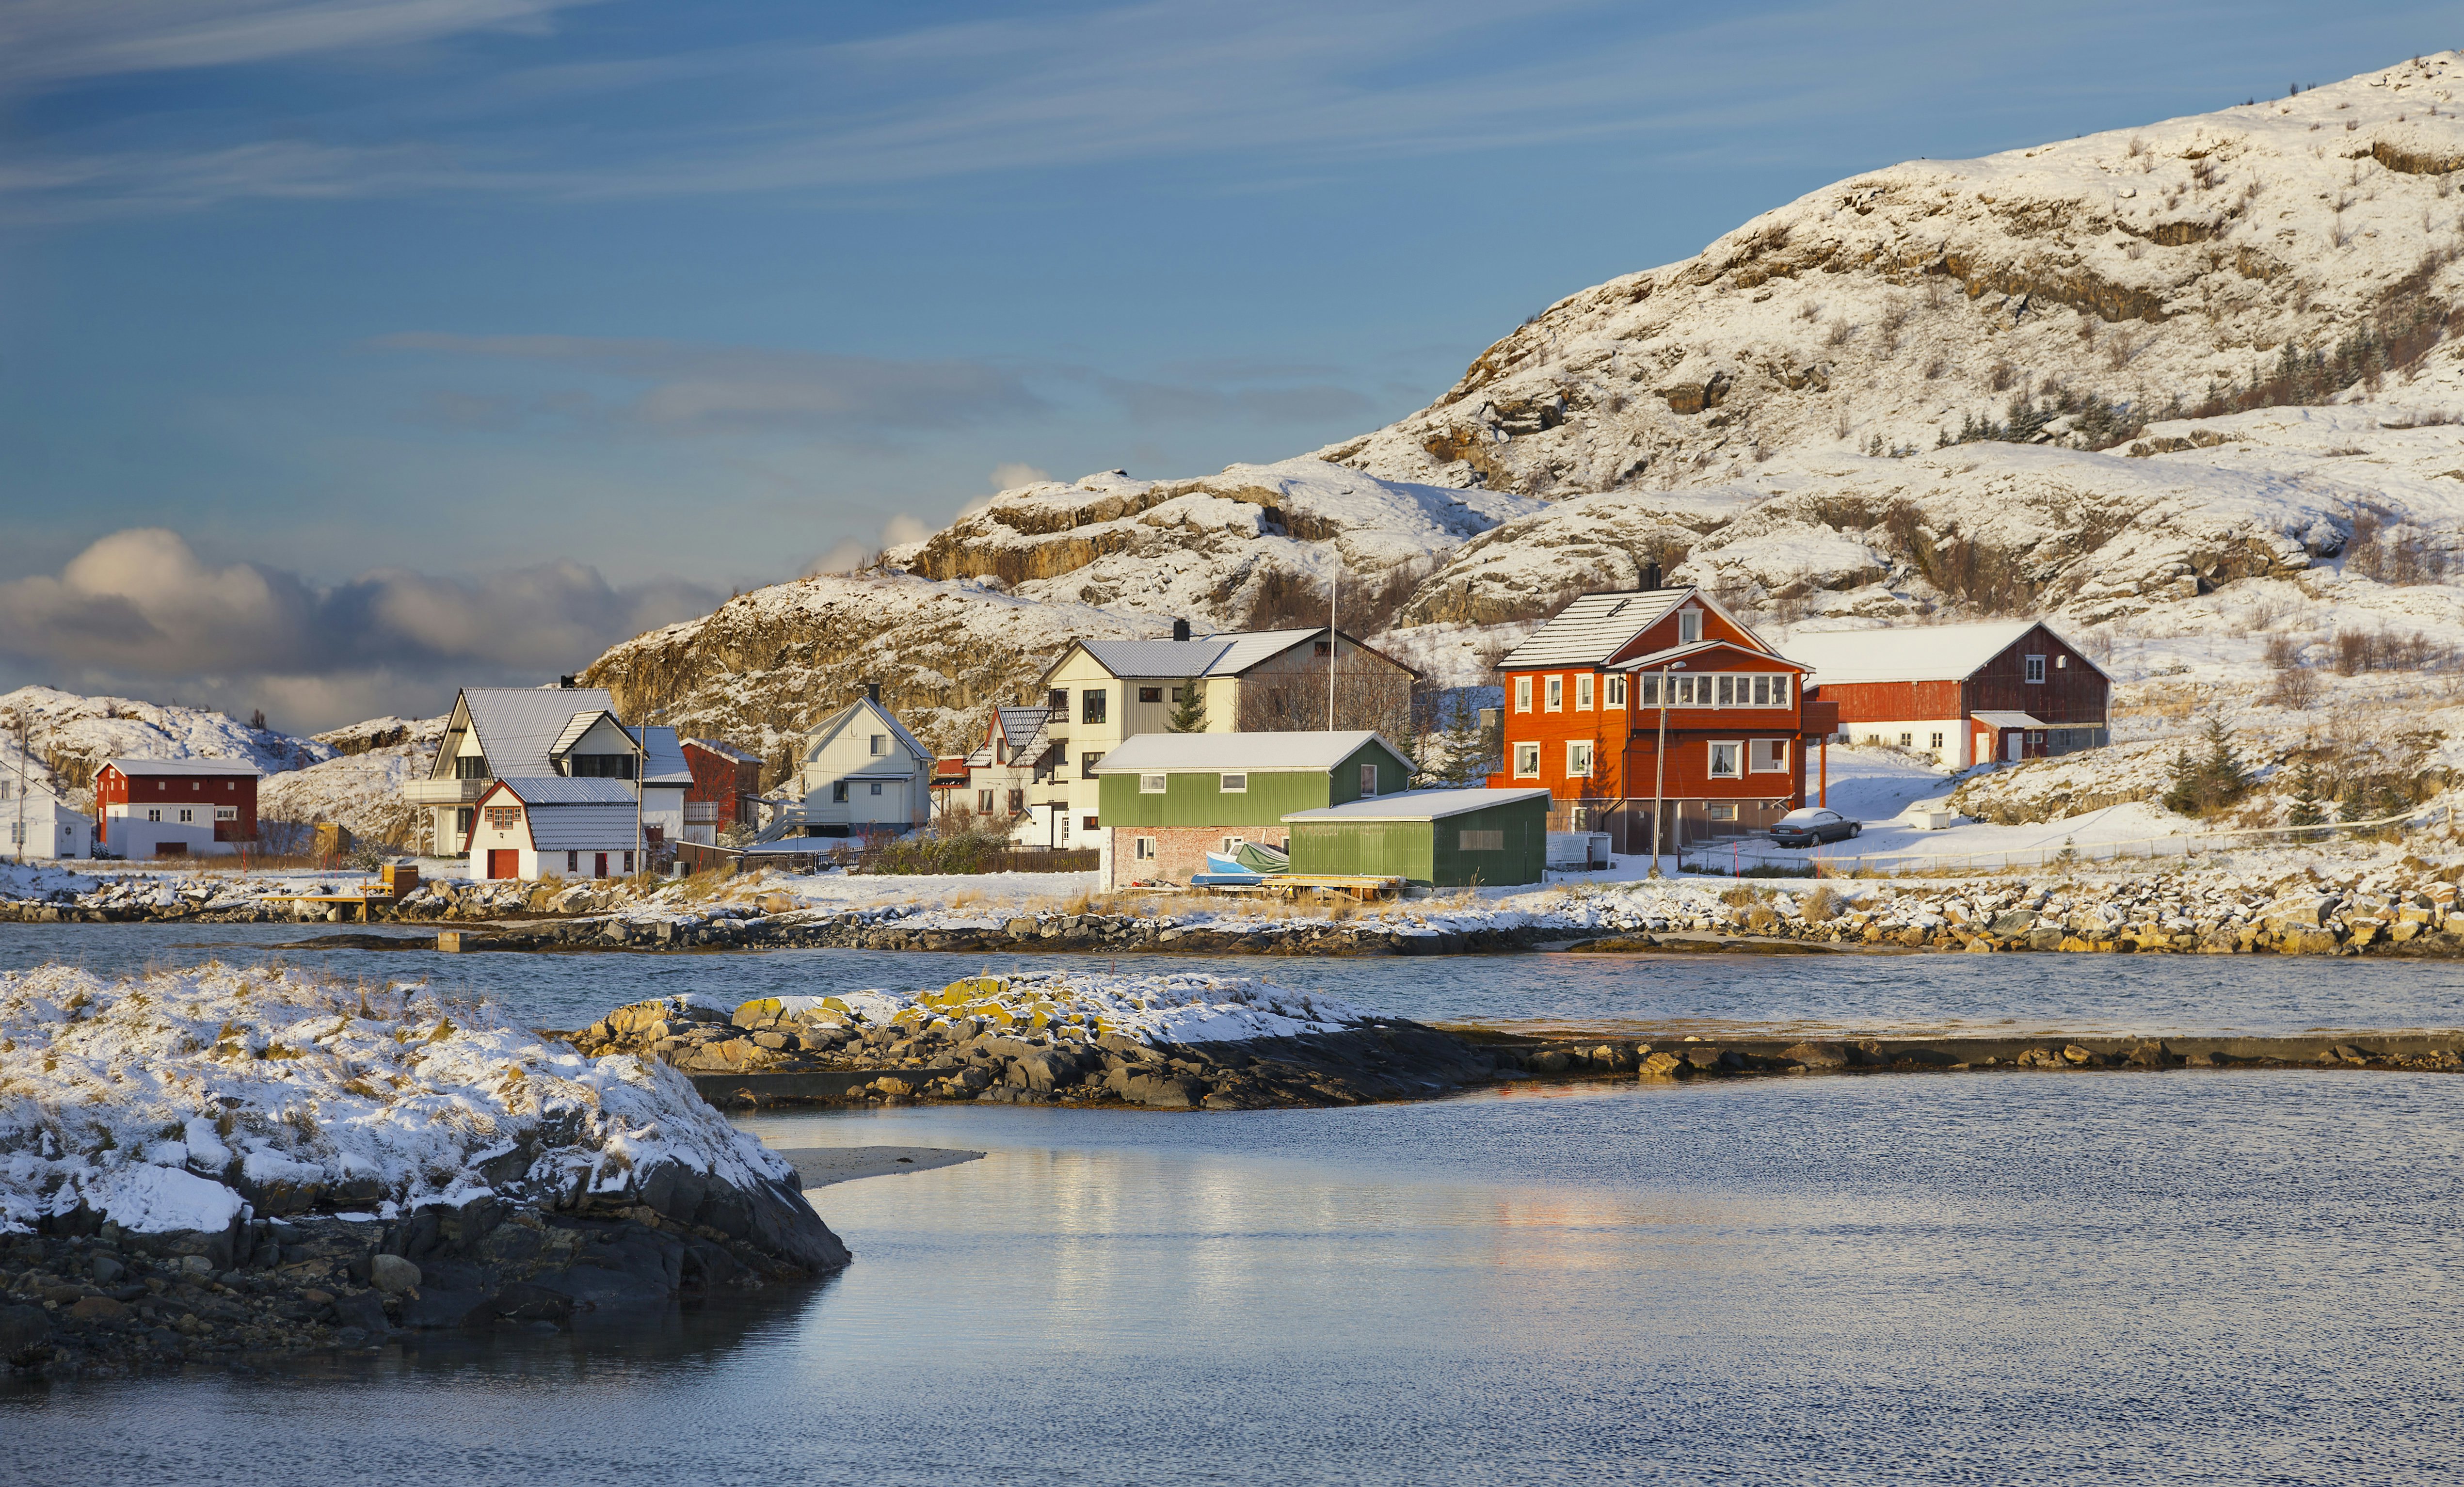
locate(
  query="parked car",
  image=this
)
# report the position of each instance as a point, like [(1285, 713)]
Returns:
[(1813, 826)]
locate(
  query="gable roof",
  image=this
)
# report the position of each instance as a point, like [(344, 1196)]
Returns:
[(1226, 653), (1593, 627), (1913, 653), (1164, 753), (564, 790), (139, 767), (836, 722), (1654, 660), (1421, 804), (663, 757), (518, 726), (725, 750)]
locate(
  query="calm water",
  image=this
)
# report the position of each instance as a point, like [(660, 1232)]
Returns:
[(2224, 1277), (1943, 992)]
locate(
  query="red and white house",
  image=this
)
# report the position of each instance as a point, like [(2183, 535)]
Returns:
[(174, 807), (555, 826), (1965, 693), (1625, 697)]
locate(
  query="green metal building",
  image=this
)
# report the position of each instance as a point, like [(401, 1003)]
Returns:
[(1446, 839), (1166, 799)]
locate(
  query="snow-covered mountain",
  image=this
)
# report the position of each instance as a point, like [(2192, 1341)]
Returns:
[(2190, 379), (68, 738)]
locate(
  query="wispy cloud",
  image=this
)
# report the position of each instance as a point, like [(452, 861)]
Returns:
[(50, 40), (672, 387)]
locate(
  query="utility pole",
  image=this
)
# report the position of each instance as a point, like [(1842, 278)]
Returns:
[(20, 842), (1332, 587), (641, 768), (1660, 769)]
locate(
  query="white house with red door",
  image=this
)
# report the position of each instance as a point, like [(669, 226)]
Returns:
[(538, 739), (174, 807), (555, 826)]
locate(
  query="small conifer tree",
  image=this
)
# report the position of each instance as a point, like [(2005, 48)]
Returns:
[(2307, 808), (1188, 709)]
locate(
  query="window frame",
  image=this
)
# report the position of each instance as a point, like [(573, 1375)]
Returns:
[(838, 792), (1094, 705), (1149, 695), (1526, 750), (1753, 757), (1225, 782), (1142, 849), (1523, 694), (1736, 748), (1613, 695), (1153, 784), (1584, 688), (1689, 626), (879, 746), (1369, 779), (1553, 695), (2034, 675), (1578, 747), (1087, 761), (1492, 839)]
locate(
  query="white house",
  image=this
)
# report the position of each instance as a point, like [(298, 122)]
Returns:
[(146, 808), (555, 826), (861, 772), (36, 822), (530, 734), (1015, 775)]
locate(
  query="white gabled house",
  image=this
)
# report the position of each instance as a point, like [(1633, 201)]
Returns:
[(860, 773), (538, 741), (555, 826), (36, 822)]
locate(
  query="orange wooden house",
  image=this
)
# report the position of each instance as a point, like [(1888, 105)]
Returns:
[(1659, 694)]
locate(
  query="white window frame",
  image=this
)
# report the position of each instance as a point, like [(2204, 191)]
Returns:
[(186, 817), (1527, 753), (1719, 810), (1578, 759), (1145, 850), (2036, 673), (1583, 693), (1369, 779), (1754, 757), (1556, 693), (1153, 784), (1937, 740), (1736, 769), (1723, 687), (880, 745), (1613, 694), (1235, 783), (1523, 694), (1689, 625), (1908, 740), (1761, 683), (154, 813), (1779, 689)]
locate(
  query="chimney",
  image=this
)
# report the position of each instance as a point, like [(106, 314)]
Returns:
[(565, 682), (1181, 629), (872, 693), (1651, 576)]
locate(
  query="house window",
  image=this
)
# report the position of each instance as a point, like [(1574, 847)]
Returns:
[(1720, 811), (1017, 802), (1091, 704), (1616, 697), (1232, 784), (839, 793), (1146, 850), (629, 863), (1369, 779), (1582, 694), (1057, 699), (1557, 694), (1779, 692), (1087, 765), (154, 815), (462, 820), (876, 788), (1578, 760), (500, 817), (187, 816), (1937, 740), (1526, 759), (1768, 756), (1689, 626), (1090, 822), (573, 861), (1724, 760), (1907, 740), (2036, 669), (1651, 690), (1325, 647), (226, 813), (470, 766), (1151, 693), (2061, 662), (1151, 784), (1480, 841), (1729, 691), (1762, 691), (1523, 694), (1232, 846), (983, 802), (1175, 694)]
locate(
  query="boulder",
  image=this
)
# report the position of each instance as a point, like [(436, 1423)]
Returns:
[(392, 1274), (22, 1330), (1817, 1056)]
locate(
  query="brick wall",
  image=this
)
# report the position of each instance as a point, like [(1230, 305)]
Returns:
[(1180, 850)]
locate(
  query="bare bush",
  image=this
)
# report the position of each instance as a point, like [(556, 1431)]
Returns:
[(2399, 556), (2002, 376), (1839, 331)]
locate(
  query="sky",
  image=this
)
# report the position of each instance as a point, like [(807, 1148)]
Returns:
[(352, 350)]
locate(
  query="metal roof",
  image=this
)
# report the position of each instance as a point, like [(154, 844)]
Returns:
[(662, 759), (1162, 754), (1653, 661), (1593, 628), (723, 749), (583, 828), (1419, 804), (518, 726), (575, 727), (1905, 653), (1245, 648), (1155, 658), (564, 790), (134, 766), (2006, 720)]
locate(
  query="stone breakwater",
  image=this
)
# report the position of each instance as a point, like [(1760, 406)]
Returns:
[(768, 1050), (1694, 1058)]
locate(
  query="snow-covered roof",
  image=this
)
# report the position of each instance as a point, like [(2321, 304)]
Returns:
[(1419, 804), (1905, 653), (1245, 648), (1162, 754), (1593, 628), (723, 749), (1653, 661), (518, 726), (575, 727), (830, 727), (217, 767), (2006, 720), (1155, 658), (564, 790), (662, 757)]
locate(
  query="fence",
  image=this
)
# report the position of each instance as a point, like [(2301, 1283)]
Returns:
[(2046, 855)]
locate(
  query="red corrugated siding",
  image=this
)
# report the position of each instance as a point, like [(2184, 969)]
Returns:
[(1891, 702), (111, 788)]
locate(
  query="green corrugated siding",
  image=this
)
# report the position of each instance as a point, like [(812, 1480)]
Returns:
[(1194, 798), (1429, 853)]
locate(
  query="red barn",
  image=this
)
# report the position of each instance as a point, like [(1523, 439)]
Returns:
[(1622, 698), (174, 807), (725, 779), (1965, 693)]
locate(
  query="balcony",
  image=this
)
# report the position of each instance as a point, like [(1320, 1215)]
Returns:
[(445, 791)]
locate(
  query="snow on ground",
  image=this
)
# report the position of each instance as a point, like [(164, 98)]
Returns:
[(155, 1098), (360, 790), (83, 733), (1174, 1008)]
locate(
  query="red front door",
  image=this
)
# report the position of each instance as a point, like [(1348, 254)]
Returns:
[(504, 863), (601, 871)]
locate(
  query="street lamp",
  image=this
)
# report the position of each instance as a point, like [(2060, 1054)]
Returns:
[(1660, 769)]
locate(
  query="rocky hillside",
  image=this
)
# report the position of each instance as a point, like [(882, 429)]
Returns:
[(2098, 279), (359, 789), (2104, 378), (68, 738)]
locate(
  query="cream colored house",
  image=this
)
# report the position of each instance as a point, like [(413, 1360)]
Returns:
[(1101, 692), (530, 734), (860, 773), (36, 822)]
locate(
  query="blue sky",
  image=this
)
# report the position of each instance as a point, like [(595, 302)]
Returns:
[(462, 337)]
